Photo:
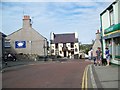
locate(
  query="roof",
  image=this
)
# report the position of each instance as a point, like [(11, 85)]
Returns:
[(109, 7), (3, 35), (64, 38)]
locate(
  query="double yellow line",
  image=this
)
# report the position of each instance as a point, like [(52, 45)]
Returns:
[(84, 79)]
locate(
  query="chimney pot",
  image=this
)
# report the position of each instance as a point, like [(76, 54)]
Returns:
[(97, 32), (26, 17)]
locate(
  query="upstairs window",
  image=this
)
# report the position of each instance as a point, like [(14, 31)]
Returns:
[(56, 45), (111, 17), (7, 44), (72, 45)]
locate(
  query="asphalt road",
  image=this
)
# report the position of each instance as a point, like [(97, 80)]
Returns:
[(67, 74)]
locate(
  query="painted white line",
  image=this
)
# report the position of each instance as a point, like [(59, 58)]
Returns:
[(92, 78)]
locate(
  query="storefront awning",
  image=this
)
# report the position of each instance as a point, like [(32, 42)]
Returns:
[(112, 36)]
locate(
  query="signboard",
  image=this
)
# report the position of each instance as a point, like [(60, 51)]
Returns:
[(20, 44), (112, 28)]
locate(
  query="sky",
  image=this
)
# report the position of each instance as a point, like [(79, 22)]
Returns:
[(62, 16)]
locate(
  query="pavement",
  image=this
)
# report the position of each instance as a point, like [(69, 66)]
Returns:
[(105, 77)]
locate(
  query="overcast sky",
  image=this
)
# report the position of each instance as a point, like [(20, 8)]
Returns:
[(57, 17)]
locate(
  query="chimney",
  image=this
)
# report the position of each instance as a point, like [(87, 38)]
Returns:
[(26, 21), (98, 35), (97, 32)]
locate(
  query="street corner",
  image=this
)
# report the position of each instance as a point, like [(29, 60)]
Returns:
[(90, 78)]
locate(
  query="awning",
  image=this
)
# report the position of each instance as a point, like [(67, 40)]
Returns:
[(112, 36)]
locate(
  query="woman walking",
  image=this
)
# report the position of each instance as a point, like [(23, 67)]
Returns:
[(107, 54)]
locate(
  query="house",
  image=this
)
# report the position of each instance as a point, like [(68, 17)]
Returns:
[(110, 28), (97, 43), (26, 40), (2, 40), (64, 45)]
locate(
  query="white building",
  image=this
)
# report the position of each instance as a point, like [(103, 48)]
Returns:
[(97, 43), (110, 27), (65, 45)]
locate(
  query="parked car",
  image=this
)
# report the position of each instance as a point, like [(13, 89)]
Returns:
[(9, 57)]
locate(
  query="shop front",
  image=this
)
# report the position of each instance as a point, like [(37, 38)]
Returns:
[(112, 41)]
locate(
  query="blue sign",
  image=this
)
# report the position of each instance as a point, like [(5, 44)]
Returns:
[(20, 44)]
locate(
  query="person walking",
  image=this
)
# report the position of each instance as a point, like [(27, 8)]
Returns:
[(107, 54), (98, 56)]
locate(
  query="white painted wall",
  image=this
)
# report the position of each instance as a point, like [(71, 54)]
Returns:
[(76, 45), (53, 48), (60, 45), (105, 21)]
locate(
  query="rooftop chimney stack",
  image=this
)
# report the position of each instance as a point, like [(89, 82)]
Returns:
[(98, 35), (26, 21)]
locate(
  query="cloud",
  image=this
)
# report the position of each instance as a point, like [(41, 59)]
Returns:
[(59, 17)]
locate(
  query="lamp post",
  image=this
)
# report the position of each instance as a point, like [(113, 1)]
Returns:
[(30, 47), (44, 50)]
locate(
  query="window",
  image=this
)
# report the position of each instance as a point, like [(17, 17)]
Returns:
[(111, 17), (7, 44), (72, 45), (60, 52), (56, 45), (52, 51), (76, 49)]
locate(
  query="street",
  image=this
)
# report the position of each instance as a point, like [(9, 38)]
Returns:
[(66, 74)]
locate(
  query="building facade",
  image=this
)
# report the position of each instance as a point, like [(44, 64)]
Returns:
[(65, 45), (97, 43), (110, 27), (2, 40), (26, 40)]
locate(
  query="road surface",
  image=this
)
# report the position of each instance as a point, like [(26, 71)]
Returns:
[(66, 74)]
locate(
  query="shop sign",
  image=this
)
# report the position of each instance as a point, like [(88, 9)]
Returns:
[(112, 28)]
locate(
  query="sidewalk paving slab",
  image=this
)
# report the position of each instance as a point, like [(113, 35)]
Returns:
[(106, 76)]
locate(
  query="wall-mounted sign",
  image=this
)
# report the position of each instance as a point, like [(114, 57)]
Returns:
[(20, 44)]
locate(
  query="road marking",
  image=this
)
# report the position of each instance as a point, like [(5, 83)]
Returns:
[(92, 78), (85, 78)]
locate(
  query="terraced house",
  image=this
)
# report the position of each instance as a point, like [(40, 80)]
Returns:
[(65, 45), (110, 27)]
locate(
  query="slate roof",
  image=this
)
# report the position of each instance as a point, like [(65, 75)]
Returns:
[(65, 38)]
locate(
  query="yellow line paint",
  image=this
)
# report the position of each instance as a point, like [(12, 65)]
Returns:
[(84, 79)]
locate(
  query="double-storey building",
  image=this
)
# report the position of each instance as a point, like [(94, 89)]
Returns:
[(65, 45), (110, 27), (26, 40)]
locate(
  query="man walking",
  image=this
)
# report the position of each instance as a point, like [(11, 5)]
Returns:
[(98, 56)]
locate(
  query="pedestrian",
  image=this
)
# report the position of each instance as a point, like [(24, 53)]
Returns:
[(89, 54), (107, 54), (98, 56), (5, 58), (94, 56)]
